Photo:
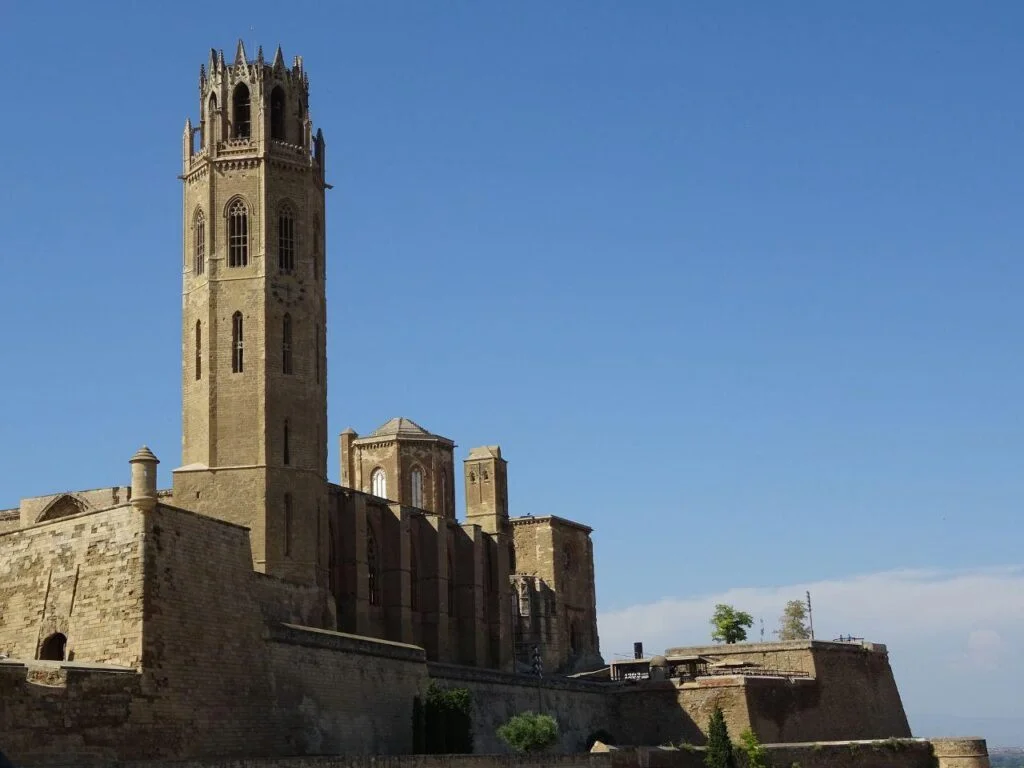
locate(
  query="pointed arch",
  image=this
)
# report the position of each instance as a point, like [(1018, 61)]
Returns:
[(241, 110), (64, 505), (199, 242), (379, 483), (277, 111), (238, 233), (416, 480)]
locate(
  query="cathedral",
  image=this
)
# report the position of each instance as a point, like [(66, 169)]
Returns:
[(384, 554)]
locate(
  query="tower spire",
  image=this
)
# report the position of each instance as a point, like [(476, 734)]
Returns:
[(240, 57), (279, 60)]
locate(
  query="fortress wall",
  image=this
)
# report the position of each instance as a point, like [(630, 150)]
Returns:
[(287, 602), (584, 760), (580, 708), (10, 520), (204, 659), (853, 694), (79, 575), (55, 714), (344, 694)]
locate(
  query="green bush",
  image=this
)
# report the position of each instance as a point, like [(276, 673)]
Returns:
[(757, 756), (529, 732), (448, 723), (719, 751)]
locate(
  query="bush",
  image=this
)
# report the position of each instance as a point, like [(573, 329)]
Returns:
[(448, 724), (757, 756), (529, 732), (719, 751)]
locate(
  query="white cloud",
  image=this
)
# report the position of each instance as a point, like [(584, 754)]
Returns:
[(951, 634)]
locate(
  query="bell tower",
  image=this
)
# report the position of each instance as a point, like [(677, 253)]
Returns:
[(254, 368)]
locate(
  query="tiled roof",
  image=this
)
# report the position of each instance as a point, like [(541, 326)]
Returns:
[(400, 426)]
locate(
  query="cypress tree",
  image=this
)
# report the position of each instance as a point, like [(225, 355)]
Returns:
[(719, 750)]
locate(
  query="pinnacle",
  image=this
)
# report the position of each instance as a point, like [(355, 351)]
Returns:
[(240, 57), (279, 58)]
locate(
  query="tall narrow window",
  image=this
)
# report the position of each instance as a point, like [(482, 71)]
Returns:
[(372, 567), (199, 350), (287, 525), (211, 117), (240, 103), (443, 501), (238, 235), (286, 240), (199, 243), (287, 448), (277, 113), (379, 483), (286, 344), (417, 487), (237, 343)]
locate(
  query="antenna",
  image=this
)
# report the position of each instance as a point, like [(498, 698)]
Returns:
[(810, 615)]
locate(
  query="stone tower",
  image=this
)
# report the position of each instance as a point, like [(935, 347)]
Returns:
[(487, 489), (254, 367)]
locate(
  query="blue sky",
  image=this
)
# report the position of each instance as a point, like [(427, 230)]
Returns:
[(737, 285)]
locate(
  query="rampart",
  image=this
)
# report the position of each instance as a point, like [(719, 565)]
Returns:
[(581, 708)]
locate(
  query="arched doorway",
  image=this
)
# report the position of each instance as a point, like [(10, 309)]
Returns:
[(53, 647)]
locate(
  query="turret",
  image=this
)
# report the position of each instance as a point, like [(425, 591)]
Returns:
[(487, 489)]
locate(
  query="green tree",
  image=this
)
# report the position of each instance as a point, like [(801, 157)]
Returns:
[(729, 625), (757, 756), (719, 750), (793, 623), (529, 732)]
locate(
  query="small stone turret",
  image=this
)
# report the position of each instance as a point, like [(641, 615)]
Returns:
[(144, 479)]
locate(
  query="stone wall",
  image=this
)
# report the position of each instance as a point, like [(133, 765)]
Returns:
[(851, 693), (580, 708), (79, 576), (584, 760)]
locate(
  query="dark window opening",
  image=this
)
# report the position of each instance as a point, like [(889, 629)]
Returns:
[(286, 240), (237, 343), (287, 525), (53, 648), (199, 350), (238, 235), (286, 344), (277, 114), (240, 102)]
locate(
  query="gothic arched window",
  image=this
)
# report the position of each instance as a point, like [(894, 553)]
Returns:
[(379, 483), (372, 567), (211, 116), (417, 488), (199, 243), (277, 113), (286, 344), (240, 112), (199, 350), (237, 343), (286, 239), (238, 234)]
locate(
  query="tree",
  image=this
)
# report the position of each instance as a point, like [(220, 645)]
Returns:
[(730, 624), (793, 623), (719, 750), (529, 732), (757, 756)]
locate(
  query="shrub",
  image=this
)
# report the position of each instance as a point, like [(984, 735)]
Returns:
[(529, 732), (447, 721), (757, 756), (719, 751)]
